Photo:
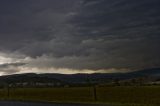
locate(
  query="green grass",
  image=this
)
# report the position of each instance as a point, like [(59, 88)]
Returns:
[(128, 96)]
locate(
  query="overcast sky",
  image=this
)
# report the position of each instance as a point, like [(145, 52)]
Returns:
[(79, 36)]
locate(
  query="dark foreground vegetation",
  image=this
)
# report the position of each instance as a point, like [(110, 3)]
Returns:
[(132, 88), (131, 95)]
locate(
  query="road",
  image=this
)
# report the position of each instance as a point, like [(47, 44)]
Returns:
[(11, 103)]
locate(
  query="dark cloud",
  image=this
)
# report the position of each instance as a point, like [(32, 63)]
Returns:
[(10, 68), (6, 65), (82, 34)]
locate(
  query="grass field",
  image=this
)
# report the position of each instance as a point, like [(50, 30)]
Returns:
[(144, 95)]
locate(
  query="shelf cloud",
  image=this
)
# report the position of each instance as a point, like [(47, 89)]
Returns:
[(79, 36)]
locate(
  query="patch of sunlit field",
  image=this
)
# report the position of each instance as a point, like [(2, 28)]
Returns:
[(137, 96)]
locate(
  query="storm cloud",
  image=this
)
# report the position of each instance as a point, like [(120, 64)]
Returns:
[(80, 35)]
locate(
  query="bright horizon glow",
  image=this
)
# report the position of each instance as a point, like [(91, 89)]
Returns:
[(23, 70), (33, 69), (4, 60)]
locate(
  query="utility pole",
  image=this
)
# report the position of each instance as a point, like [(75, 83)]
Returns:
[(95, 93), (8, 90), (92, 86)]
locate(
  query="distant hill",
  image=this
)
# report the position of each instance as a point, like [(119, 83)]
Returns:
[(31, 79), (102, 77), (148, 72)]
